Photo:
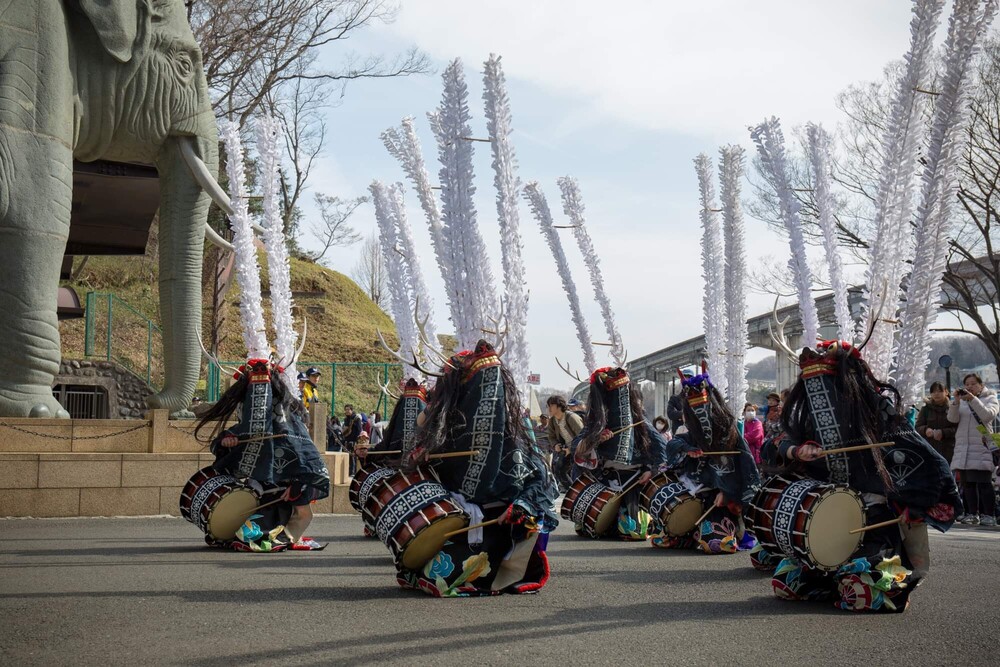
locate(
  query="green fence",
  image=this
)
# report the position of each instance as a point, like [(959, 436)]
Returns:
[(115, 331), (340, 382)]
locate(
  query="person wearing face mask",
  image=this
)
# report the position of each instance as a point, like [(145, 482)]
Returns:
[(973, 410), (933, 424), (753, 431)]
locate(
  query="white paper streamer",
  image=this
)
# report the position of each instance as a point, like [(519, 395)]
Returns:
[(819, 159), (452, 129), (247, 268), (498, 126), (423, 304), (540, 209), (399, 292), (573, 207), (730, 174), (404, 145), (891, 250), (285, 336), (713, 273), (771, 148), (941, 158)]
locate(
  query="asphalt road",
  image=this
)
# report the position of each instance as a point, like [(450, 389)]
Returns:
[(146, 591)]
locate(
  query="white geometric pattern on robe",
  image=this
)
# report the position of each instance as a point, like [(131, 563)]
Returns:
[(624, 452), (482, 428), (259, 394), (827, 428)]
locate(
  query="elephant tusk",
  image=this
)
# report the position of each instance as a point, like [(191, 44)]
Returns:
[(208, 183), (214, 237), (204, 177)]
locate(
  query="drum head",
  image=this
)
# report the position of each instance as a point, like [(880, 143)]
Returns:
[(428, 542), (230, 512), (683, 518), (829, 540), (608, 517)]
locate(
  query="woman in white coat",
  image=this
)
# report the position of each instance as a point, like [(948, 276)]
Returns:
[(974, 409)]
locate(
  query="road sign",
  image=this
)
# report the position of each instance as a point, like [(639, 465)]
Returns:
[(534, 378)]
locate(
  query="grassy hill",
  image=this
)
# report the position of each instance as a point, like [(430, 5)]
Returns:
[(342, 322)]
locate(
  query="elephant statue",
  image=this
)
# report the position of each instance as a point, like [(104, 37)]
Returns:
[(118, 80)]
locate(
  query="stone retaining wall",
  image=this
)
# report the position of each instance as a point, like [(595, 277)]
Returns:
[(126, 392), (108, 467)]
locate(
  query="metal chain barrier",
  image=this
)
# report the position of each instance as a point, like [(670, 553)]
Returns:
[(72, 437)]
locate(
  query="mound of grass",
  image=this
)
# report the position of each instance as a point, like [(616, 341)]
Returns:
[(342, 323)]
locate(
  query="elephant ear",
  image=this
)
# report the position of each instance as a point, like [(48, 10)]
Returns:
[(116, 23)]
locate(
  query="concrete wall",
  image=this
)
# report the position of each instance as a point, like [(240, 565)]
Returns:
[(126, 467)]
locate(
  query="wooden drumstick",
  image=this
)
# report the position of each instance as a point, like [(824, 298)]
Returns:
[(857, 448), (627, 489), (883, 524), (733, 453), (385, 451), (703, 516), (448, 455), (622, 430), (471, 528), (267, 504)]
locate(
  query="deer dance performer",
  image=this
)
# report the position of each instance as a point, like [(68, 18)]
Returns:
[(893, 473), (620, 451), (724, 482)]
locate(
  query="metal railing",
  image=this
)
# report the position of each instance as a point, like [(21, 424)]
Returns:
[(115, 331), (340, 383)]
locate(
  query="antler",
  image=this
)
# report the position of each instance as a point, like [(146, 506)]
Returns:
[(409, 362), (302, 340), (567, 371), (779, 339), (385, 390), (425, 338), (214, 360), (877, 316), (501, 328)]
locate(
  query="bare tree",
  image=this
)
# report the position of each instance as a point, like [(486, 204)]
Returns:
[(369, 272), (972, 276), (333, 229), (252, 47), (263, 54)]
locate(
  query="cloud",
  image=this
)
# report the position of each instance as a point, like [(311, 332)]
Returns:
[(707, 68)]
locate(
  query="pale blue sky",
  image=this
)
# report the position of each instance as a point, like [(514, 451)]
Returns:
[(623, 100)]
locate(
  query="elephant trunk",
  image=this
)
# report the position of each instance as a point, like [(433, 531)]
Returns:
[(183, 212)]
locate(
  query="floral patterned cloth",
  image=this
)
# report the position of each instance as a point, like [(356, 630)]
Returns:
[(861, 584), (464, 570), (721, 532), (878, 578)]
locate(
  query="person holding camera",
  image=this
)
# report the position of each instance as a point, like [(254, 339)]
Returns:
[(974, 408)]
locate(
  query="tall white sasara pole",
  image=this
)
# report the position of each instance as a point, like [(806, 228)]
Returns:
[(731, 172), (713, 272), (540, 207), (452, 129), (399, 293), (498, 125), (819, 160), (278, 270), (247, 268), (771, 147), (423, 305), (573, 207), (891, 249), (933, 220), (404, 145)]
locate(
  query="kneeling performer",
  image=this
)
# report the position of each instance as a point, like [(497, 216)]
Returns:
[(710, 461)]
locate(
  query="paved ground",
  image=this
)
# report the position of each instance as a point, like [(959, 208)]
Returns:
[(145, 591)]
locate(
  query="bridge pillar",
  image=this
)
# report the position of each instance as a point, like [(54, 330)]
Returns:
[(787, 370)]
